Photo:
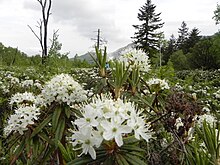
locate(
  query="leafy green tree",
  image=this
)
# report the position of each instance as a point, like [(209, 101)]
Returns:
[(179, 60), (147, 36), (56, 46), (205, 54), (12, 56), (56, 58), (35, 60)]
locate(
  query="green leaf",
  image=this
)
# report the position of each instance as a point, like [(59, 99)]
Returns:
[(138, 154), (64, 152), (80, 161), (145, 102), (18, 151), (121, 160), (130, 140), (132, 148), (60, 129), (43, 136), (87, 159), (104, 58), (94, 60), (48, 152), (134, 160), (67, 111), (41, 126), (56, 115)]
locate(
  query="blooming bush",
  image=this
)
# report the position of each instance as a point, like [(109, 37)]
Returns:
[(136, 117)]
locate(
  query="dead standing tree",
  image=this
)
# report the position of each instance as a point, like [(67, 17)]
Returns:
[(43, 27)]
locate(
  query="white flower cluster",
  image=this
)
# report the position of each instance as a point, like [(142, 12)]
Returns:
[(136, 58), (178, 87), (27, 83), (63, 88), (22, 117), (217, 94), (106, 119), (21, 99), (25, 113), (208, 118), (31, 83), (8, 81), (156, 81)]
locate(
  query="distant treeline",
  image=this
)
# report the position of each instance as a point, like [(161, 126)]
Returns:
[(10, 56)]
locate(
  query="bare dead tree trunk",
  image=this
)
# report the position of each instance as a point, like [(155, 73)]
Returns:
[(43, 27)]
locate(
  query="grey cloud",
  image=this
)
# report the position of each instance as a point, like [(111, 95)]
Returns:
[(86, 16), (33, 5)]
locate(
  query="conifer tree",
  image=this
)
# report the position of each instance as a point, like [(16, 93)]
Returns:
[(147, 36), (183, 36), (169, 49), (193, 38)]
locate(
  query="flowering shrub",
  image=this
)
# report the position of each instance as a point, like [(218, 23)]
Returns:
[(56, 120)]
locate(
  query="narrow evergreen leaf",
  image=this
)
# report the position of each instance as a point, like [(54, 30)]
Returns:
[(60, 129), (56, 115), (134, 160), (64, 152), (41, 126), (18, 151), (121, 160)]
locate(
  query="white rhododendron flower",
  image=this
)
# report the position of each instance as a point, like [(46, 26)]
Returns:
[(217, 94), (27, 83), (156, 81), (114, 130), (20, 99), (136, 58), (178, 123), (88, 139), (208, 118), (22, 117), (108, 120), (63, 88)]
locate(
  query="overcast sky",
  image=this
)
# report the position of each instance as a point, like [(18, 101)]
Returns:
[(78, 21)]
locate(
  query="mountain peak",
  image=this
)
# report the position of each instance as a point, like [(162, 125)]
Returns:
[(116, 54)]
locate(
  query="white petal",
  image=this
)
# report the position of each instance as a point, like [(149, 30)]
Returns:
[(107, 135), (125, 129), (92, 153), (118, 140), (137, 135)]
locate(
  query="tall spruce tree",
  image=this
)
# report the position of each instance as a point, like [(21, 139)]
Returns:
[(169, 49), (216, 16), (147, 36), (193, 38), (183, 36)]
